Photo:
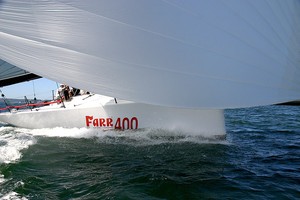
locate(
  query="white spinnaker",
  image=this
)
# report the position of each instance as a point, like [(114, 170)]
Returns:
[(192, 53)]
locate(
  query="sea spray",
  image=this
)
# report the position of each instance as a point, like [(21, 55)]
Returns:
[(140, 137), (12, 196), (12, 142)]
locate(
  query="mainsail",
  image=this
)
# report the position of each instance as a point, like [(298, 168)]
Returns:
[(10, 74), (192, 53)]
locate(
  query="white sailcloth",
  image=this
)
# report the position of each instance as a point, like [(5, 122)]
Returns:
[(191, 53)]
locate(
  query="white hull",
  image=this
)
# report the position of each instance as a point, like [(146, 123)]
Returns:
[(103, 112)]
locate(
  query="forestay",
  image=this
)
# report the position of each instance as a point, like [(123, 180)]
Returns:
[(192, 53)]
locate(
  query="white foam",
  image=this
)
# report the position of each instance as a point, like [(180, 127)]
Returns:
[(12, 196), (133, 137), (64, 132), (11, 144), (142, 137), (2, 180)]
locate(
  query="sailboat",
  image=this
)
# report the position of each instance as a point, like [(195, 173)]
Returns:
[(97, 111), (182, 61)]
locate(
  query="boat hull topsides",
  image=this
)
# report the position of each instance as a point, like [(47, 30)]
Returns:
[(103, 112)]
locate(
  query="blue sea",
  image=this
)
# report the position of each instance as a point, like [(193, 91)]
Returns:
[(259, 159)]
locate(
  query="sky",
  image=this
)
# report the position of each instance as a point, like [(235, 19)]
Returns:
[(41, 87)]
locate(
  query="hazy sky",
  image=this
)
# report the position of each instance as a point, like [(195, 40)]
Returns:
[(42, 87)]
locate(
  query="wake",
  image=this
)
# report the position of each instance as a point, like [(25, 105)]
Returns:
[(132, 137), (13, 140)]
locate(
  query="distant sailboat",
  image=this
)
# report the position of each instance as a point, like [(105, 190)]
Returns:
[(194, 54)]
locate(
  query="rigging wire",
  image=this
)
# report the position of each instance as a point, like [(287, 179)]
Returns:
[(34, 97)]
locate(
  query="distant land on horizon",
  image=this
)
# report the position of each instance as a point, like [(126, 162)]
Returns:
[(22, 101), (16, 101), (291, 103)]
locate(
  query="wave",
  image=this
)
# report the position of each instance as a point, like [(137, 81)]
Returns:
[(12, 142), (133, 137), (12, 196)]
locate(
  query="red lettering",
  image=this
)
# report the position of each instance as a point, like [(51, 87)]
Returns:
[(88, 120), (118, 124), (95, 122), (102, 122), (109, 122), (134, 120), (125, 123)]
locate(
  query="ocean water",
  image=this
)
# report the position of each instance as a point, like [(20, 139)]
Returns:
[(259, 159)]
